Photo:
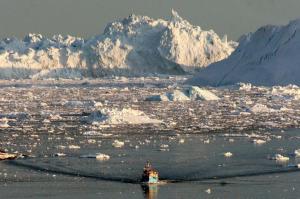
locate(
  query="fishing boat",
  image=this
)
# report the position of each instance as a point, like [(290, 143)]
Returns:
[(150, 175)]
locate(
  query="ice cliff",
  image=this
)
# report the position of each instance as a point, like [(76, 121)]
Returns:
[(136, 45), (268, 57)]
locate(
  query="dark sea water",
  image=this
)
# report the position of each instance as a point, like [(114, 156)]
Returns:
[(195, 168)]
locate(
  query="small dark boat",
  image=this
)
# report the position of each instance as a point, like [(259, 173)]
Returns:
[(150, 175)]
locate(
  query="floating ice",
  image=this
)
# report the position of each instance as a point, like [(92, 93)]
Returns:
[(280, 158), (98, 156), (228, 154), (74, 147), (4, 123), (297, 153), (190, 93), (164, 146), (96, 133), (290, 91), (208, 191), (181, 141), (60, 154), (55, 117), (115, 117), (74, 103), (261, 108), (118, 144), (259, 141), (245, 86)]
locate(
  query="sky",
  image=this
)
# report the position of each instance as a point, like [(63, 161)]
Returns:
[(85, 18)]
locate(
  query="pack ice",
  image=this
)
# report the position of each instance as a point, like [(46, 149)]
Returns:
[(136, 45), (268, 57)]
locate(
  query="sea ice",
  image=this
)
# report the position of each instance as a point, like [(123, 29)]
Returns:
[(74, 147), (297, 153), (118, 144), (259, 141), (115, 117), (281, 158), (4, 123), (98, 156), (190, 93), (228, 154)]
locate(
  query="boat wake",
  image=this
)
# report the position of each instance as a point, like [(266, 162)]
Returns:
[(221, 179)]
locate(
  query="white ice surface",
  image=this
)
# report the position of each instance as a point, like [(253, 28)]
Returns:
[(136, 45), (269, 57), (116, 116)]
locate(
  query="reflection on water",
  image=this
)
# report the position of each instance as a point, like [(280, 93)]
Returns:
[(150, 191)]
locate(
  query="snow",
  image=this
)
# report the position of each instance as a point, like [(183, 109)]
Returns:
[(268, 57), (116, 116), (136, 45)]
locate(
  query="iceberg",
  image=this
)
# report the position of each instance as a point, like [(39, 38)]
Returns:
[(268, 57), (133, 46)]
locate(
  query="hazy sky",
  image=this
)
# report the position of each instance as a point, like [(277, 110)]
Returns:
[(88, 17)]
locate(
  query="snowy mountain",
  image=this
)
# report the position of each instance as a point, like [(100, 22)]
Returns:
[(270, 56), (137, 45)]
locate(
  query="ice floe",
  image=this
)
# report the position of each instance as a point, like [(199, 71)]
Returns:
[(228, 154), (74, 147), (261, 108), (190, 93), (4, 123), (280, 158), (98, 156), (118, 144), (116, 116), (258, 141), (297, 153), (60, 154)]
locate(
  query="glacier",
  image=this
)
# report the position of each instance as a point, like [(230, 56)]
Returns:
[(133, 46), (268, 57)]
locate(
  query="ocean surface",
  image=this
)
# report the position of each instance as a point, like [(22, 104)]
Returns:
[(43, 121)]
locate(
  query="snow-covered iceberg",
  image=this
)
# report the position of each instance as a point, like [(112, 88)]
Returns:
[(116, 117), (136, 45), (270, 56), (187, 94)]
